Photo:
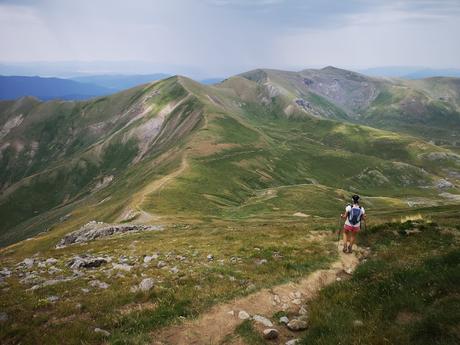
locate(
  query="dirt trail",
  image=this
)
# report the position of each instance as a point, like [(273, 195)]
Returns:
[(212, 327), (155, 186)]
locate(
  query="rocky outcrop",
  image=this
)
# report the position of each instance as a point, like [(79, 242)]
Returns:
[(94, 230)]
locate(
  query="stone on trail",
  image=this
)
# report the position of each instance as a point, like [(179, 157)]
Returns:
[(161, 264), (270, 333), (263, 320), (242, 315), (284, 319), (210, 257), (102, 331), (293, 342), (297, 325), (303, 310)]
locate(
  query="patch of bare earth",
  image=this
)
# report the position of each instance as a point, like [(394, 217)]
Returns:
[(221, 320)]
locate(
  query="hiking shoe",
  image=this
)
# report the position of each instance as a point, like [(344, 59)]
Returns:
[(350, 249)]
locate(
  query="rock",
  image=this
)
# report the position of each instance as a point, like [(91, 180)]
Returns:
[(261, 261), (174, 270), (300, 214), (94, 230), (263, 320), (297, 325), (85, 290), (242, 315), (52, 299), (161, 264), (51, 261), (358, 323), (293, 342), (85, 261), (102, 331), (284, 319), (54, 270), (210, 257), (3, 317), (348, 271), (146, 284), (270, 333), (5, 272), (231, 312), (27, 263), (99, 284), (442, 184), (297, 301), (303, 310), (147, 259), (122, 267)]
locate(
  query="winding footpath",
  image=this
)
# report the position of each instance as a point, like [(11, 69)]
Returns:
[(221, 320)]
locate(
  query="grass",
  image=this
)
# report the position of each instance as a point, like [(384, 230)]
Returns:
[(198, 285), (407, 293)]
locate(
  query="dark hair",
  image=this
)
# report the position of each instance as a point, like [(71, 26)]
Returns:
[(355, 198)]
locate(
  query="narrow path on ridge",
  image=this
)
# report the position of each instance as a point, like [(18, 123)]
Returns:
[(221, 320)]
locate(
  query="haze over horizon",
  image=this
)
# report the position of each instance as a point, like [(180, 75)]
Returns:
[(224, 37)]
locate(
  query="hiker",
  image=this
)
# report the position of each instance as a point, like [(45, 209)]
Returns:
[(353, 215)]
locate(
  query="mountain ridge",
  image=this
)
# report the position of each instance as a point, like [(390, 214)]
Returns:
[(92, 148)]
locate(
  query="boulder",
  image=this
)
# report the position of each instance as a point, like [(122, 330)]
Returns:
[(94, 230), (86, 261)]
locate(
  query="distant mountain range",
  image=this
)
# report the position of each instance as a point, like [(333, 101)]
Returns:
[(13, 87), (260, 145), (78, 88), (411, 72)]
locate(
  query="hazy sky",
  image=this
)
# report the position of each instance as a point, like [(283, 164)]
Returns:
[(223, 37)]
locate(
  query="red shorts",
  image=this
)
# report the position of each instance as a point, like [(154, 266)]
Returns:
[(350, 228)]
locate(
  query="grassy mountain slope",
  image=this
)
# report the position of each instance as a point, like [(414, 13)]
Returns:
[(428, 108), (250, 147), (246, 177)]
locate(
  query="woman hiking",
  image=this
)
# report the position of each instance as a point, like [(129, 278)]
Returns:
[(353, 215)]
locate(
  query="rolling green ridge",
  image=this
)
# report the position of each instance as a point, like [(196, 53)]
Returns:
[(245, 179), (264, 144)]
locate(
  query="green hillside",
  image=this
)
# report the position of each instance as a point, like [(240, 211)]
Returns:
[(265, 144), (228, 192)]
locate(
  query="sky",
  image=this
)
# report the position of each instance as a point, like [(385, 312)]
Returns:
[(210, 38)]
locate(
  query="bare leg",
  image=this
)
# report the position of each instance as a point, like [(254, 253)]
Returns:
[(352, 239), (345, 239)]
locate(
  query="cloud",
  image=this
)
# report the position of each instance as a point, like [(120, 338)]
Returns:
[(221, 37)]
